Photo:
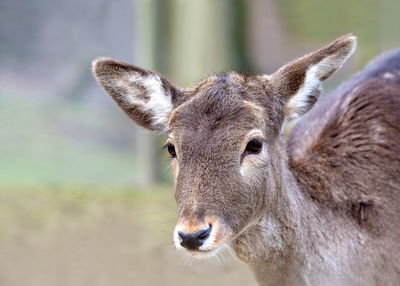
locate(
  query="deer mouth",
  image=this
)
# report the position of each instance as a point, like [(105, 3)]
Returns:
[(203, 254)]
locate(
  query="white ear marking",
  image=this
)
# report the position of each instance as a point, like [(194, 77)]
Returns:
[(144, 95), (135, 77), (299, 102), (299, 83), (157, 101)]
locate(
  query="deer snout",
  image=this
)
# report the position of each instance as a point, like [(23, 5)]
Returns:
[(201, 236), (193, 241)]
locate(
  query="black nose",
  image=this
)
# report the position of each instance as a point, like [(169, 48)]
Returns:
[(193, 241)]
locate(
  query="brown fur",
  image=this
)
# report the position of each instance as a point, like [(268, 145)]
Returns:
[(319, 210)]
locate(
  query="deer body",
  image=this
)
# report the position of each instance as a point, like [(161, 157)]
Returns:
[(320, 208)]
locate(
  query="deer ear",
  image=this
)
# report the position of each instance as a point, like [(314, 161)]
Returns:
[(299, 83), (147, 97)]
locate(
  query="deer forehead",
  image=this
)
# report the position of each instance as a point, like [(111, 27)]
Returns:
[(217, 118), (230, 79), (220, 102)]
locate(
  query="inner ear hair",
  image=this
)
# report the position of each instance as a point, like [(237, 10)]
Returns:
[(299, 83), (145, 96)]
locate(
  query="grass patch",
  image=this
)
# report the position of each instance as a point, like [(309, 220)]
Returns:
[(41, 210)]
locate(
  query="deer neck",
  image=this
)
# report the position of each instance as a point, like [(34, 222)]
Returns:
[(291, 234)]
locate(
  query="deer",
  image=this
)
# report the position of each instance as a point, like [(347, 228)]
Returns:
[(319, 206)]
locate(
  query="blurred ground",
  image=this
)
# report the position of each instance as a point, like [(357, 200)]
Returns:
[(77, 236)]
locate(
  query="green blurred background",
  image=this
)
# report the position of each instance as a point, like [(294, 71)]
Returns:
[(86, 196)]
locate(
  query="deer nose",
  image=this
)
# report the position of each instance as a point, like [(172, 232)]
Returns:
[(193, 241)]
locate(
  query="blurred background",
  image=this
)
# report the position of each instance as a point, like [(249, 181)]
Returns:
[(86, 196)]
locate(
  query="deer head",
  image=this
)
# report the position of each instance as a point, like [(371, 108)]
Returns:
[(223, 137)]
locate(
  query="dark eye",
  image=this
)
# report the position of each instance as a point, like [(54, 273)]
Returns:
[(254, 146), (171, 150)]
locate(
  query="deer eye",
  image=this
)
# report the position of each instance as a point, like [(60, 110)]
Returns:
[(171, 150), (254, 146)]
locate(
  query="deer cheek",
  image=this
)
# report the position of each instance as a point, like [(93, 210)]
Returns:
[(253, 167), (175, 169)]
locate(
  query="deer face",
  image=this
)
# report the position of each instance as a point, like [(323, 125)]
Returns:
[(223, 137), (219, 143)]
